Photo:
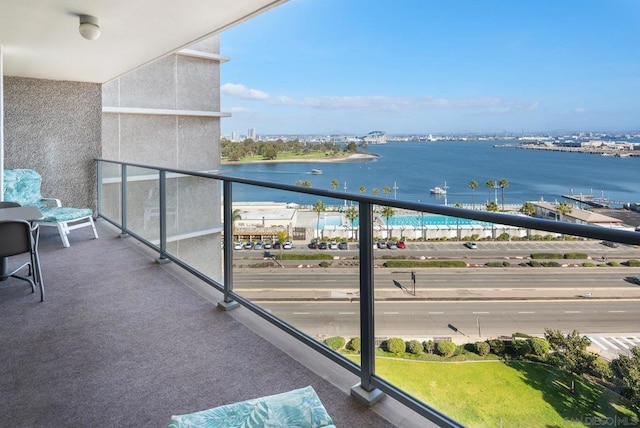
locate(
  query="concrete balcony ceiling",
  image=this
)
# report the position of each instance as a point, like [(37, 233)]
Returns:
[(40, 39)]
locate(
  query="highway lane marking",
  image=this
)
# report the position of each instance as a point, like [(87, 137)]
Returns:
[(630, 340), (330, 280), (257, 280), (617, 312), (479, 312), (435, 313), (526, 312), (346, 313), (598, 344), (572, 312), (609, 343), (293, 280), (624, 345), (301, 313)]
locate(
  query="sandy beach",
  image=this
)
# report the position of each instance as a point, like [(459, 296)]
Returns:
[(355, 157)]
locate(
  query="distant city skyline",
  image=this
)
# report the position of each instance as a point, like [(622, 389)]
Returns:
[(354, 66)]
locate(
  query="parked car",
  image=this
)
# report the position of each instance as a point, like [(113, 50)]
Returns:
[(391, 245), (313, 244), (323, 246), (267, 245), (333, 245), (343, 246), (248, 245), (238, 246), (401, 244), (258, 246), (276, 245), (610, 244), (471, 245), (287, 245), (382, 244)]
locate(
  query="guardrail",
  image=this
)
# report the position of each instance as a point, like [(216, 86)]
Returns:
[(371, 387)]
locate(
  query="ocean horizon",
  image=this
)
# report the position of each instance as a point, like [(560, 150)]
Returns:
[(410, 169)]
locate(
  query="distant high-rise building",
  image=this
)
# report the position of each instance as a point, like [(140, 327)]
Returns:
[(251, 133), (234, 136)]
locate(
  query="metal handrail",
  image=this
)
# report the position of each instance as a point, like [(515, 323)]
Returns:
[(366, 371)]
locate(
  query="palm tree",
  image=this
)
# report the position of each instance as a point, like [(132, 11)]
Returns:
[(363, 189), (490, 185), (319, 207), (473, 184), (235, 216), (503, 183), (528, 208), (334, 184), (375, 191), (303, 183), (386, 190), (352, 214), (387, 213), (492, 206), (562, 209)]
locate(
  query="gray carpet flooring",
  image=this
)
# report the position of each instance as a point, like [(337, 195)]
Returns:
[(119, 341)]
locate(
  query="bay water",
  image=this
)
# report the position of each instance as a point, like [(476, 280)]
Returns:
[(415, 167)]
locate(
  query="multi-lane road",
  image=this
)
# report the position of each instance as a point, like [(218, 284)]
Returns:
[(478, 301)]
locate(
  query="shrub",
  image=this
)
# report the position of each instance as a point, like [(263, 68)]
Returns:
[(534, 263), (521, 348), (324, 264), (494, 264), (428, 346), (613, 263), (414, 347), (546, 256), (588, 264), (428, 263), (335, 342), (446, 348), (497, 346), (551, 264), (298, 256), (633, 263), (601, 368), (354, 344), (576, 256), (503, 237), (539, 346), (482, 348), (395, 345), (262, 265)]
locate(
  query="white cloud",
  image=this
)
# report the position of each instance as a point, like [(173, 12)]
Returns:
[(243, 92), (237, 110)]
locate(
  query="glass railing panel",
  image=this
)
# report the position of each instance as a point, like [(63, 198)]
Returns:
[(110, 191), (143, 203), (194, 223), (470, 287), (299, 264)]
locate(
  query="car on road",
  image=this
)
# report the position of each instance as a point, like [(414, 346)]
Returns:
[(238, 246), (401, 244), (471, 245), (322, 246), (636, 279), (610, 244), (287, 245), (343, 246), (333, 245)]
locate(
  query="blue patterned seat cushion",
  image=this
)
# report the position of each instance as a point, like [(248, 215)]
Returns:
[(298, 408), (58, 214)]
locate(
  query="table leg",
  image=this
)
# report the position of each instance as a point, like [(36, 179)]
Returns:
[(4, 268)]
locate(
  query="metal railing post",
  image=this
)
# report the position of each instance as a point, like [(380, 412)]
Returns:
[(162, 190), (123, 201), (364, 390), (228, 303)]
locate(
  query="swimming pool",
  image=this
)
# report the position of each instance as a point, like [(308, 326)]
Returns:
[(428, 220)]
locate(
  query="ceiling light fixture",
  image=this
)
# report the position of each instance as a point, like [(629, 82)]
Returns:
[(89, 28)]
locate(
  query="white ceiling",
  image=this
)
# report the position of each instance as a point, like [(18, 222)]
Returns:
[(40, 39)]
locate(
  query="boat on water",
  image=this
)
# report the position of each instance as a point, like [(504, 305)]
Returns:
[(316, 171), (439, 190)]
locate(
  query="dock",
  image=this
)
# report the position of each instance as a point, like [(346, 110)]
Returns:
[(588, 200)]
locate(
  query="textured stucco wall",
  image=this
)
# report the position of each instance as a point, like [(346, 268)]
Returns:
[(54, 127)]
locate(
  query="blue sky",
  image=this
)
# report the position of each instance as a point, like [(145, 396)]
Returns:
[(423, 66)]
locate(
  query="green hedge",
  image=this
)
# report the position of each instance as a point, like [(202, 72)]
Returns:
[(546, 256), (298, 256), (262, 265), (395, 345), (498, 264), (335, 342), (354, 344), (578, 256), (426, 263), (588, 264), (633, 263)]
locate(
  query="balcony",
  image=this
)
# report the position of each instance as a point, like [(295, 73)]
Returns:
[(127, 339)]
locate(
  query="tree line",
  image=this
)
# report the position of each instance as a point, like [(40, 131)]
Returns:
[(270, 150)]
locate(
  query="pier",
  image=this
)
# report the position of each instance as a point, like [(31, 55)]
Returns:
[(588, 200)]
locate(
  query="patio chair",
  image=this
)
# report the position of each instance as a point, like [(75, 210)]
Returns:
[(23, 186), (19, 237), (7, 204)]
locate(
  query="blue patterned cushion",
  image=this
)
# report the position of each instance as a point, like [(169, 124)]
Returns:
[(299, 408), (22, 186), (58, 214)]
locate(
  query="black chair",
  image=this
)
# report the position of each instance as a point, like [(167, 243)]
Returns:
[(19, 237), (8, 204)]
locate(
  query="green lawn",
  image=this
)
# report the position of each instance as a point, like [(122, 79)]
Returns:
[(509, 394)]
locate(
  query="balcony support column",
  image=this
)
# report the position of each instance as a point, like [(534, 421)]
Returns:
[(123, 201), (228, 303), (364, 390)]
